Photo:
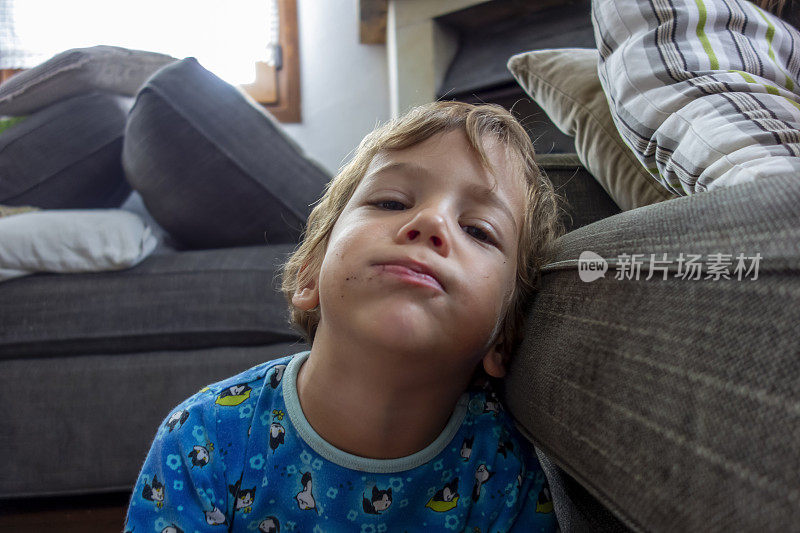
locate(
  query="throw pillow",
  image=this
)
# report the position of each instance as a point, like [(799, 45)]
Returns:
[(213, 168), (72, 241), (564, 83), (67, 155), (704, 91), (77, 71)]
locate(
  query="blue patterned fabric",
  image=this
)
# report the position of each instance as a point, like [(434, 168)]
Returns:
[(239, 455)]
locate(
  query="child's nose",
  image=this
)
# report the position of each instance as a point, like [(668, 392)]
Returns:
[(427, 228)]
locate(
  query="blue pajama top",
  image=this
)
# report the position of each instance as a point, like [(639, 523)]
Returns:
[(240, 456)]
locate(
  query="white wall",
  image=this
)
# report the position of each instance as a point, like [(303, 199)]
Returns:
[(344, 84)]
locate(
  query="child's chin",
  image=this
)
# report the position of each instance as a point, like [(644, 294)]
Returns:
[(408, 328), (403, 316)]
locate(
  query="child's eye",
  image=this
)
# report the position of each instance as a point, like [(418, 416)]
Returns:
[(478, 234), (391, 205)]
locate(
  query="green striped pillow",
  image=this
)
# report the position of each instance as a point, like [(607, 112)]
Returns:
[(705, 92)]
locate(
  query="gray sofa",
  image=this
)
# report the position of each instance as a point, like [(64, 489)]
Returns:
[(656, 405), (90, 362)]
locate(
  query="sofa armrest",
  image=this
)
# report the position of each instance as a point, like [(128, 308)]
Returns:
[(674, 400)]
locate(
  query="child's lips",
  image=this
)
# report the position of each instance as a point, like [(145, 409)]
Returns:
[(412, 273)]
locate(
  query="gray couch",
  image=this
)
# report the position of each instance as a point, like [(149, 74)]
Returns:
[(91, 363), (656, 405)]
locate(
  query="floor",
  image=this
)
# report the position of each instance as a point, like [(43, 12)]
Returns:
[(100, 513)]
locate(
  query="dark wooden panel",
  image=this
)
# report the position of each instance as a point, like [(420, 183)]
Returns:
[(547, 139), (497, 11), (507, 29)]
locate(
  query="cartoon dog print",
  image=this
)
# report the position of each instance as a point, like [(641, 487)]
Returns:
[(269, 525), (276, 435), (234, 395), (215, 517), (154, 492), (177, 419), (277, 376), (492, 404), (445, 498), (482, 475), (200, 456), (466, 448), (244, 497), (379, 502), (544, 503), (305, 498)]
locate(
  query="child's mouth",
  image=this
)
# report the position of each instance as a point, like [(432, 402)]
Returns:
[(411, 276)]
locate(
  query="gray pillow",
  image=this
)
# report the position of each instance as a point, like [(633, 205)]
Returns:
[(67, 155), (564, 83), (78, 71), (213, 168)]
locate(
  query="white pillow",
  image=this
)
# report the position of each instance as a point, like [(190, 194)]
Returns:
[(72, 241), (707, 94)]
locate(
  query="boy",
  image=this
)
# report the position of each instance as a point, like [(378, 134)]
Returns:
[(412, 276)]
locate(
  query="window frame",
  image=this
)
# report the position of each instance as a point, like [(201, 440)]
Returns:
[(287, 107), (287, 77)]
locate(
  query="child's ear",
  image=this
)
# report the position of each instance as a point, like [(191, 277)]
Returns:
[(306, 298), (495, 361)]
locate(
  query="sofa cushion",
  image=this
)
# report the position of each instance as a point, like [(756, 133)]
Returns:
[(91, 429), (214, 169), (706, 93), (584, 200), (674, 401), (81, 70), (564, 83), (66, 156), (179, 300)]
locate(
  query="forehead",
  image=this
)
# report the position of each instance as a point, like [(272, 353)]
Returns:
[(449, 157)]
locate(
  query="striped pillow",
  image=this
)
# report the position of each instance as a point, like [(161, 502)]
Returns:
[(705, 92)]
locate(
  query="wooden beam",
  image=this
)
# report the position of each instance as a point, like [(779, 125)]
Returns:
[(372, 21), (288, 107), (8, 72)]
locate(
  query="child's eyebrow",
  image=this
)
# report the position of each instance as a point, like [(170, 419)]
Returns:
[(478, 193), (485, 195), (400, 166)]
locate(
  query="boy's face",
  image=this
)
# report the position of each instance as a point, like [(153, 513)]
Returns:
[(423, 257)]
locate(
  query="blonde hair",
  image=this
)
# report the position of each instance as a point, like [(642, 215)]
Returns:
[(541, 223)]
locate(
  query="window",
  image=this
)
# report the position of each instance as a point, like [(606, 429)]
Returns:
[(251, 43)]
